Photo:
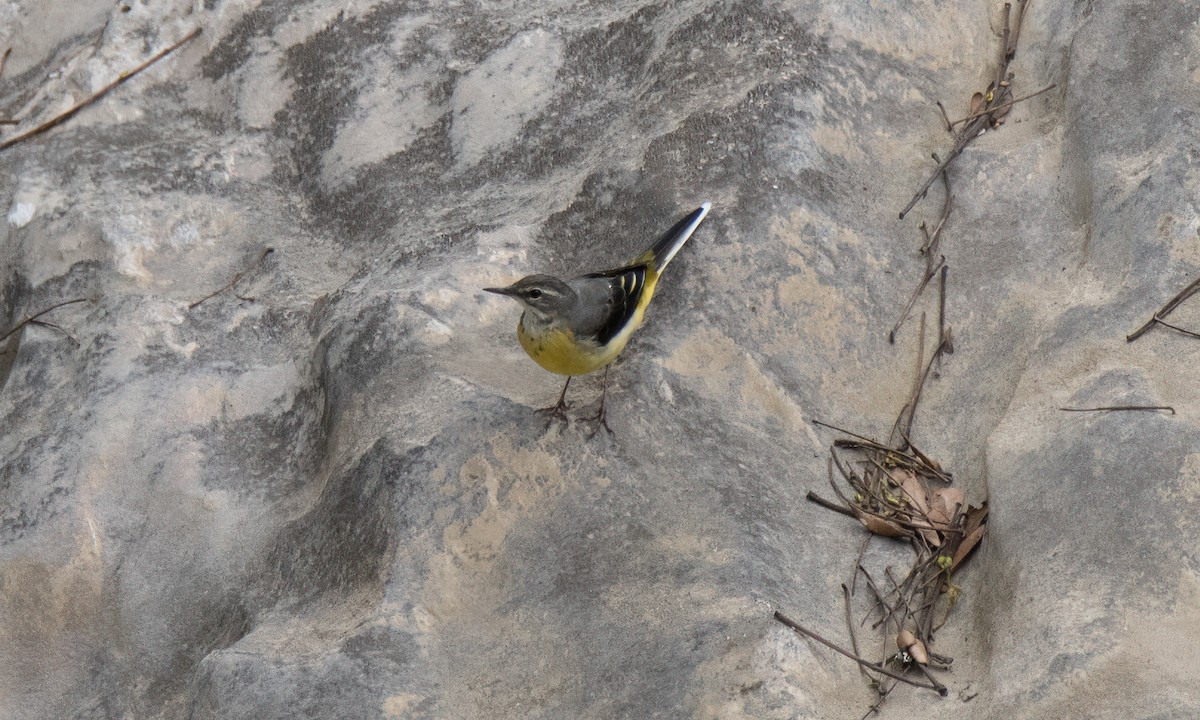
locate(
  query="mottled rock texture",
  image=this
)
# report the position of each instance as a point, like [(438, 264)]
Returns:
[(329, 497)]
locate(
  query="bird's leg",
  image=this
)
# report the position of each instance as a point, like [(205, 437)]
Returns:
[(558, 411), (599, 417)]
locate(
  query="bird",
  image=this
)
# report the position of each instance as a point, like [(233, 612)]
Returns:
[(578, 326)]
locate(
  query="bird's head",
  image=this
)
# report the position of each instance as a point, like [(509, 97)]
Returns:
[(543, 295)]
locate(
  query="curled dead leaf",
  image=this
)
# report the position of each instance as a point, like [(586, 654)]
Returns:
[(977, 103), (880, 526), (944, 504), (967, 546), (976, 516), (930, 463), (932, 537), (912, 490), (905, 640)]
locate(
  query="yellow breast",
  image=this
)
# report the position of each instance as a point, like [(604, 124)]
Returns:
[(557, 350)]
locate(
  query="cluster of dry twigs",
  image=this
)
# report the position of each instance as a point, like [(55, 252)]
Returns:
[(894, 489), (62, 117), (897, 491), (987, 108)]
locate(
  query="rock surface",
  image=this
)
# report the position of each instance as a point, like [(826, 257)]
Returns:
[(324, 494)]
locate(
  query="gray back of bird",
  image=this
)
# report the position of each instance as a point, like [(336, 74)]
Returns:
[(594, 308)]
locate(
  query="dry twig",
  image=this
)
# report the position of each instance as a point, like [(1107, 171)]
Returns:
[(1001, 106), (68, 114), (1166, 310), (995, 104), (236, 279), (930, 251), (1115, 408), (35, 316), (865, 663)]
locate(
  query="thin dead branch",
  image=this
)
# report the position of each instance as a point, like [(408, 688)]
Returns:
[(56, 326), (1178, 329), (942, 108), (854, 637), (1001, 106), (929, 249), (845, 432), (865, 663), (862, 551), (913, 299), (996, 101), (945, 342), (39, 314), (124, 76), (1166, 310), (1117, 408), (815, 498), (904, 420), (236, 279)]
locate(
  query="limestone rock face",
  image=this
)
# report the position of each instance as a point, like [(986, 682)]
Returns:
[(323, 493)]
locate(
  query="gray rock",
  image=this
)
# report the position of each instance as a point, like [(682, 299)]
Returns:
[(330, 498)]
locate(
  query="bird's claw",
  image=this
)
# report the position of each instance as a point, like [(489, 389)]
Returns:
[(558, 412), (601, 421)]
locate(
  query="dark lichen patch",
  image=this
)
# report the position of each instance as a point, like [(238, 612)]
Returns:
[(236, 46), (344, 542)]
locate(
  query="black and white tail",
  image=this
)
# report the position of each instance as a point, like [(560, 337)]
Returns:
[(661, 252)]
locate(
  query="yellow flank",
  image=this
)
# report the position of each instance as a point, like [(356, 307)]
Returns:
[(558, 351)]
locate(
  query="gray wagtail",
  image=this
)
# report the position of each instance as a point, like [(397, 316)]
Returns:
[(578, 326)]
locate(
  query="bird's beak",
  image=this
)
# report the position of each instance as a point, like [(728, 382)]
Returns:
[(500, 291)]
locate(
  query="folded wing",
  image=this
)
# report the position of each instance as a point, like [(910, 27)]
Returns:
[(615, 295)]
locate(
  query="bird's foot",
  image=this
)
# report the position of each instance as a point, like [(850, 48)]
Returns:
[(557, 411), (601, 421)]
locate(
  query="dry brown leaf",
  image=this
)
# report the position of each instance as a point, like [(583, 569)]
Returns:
[(912, 490), (952, 497), (931, 537), (976, 516), (943, 502), (967, 545), (879, 525), (976, 103), (930, 463)]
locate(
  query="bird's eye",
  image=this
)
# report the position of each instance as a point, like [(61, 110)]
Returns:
[(534, 294)]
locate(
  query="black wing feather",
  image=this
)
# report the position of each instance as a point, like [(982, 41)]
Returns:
[(626, 287)]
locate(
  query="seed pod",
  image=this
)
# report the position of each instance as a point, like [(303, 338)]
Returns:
[(908, 642)]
